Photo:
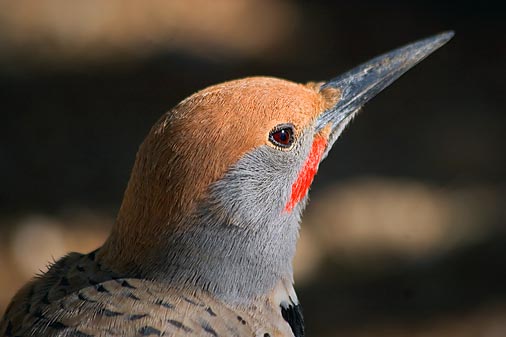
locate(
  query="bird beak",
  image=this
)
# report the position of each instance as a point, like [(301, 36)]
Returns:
[(362, 83)]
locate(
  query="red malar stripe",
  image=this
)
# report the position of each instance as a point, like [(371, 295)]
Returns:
[(306, 175)]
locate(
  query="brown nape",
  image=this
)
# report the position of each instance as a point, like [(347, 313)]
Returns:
[(192, 146)]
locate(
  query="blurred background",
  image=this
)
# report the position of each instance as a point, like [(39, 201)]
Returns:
[(406, 231)]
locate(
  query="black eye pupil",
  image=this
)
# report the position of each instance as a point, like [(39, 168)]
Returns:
[(282, 136)]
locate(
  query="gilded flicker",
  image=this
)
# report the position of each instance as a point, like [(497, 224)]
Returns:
[(205, 237)]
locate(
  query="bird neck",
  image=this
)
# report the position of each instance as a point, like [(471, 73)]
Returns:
[(235, 264), (233, 238)]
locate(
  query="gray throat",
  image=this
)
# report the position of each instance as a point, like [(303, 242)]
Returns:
[(241, 241), (233, 263)]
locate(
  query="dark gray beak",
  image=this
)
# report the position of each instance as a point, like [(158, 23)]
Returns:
[(364, 82)]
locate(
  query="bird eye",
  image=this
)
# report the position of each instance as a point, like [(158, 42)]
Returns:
[(282, 136)]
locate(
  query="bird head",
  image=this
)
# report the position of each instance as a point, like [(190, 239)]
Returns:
[(219, 184)]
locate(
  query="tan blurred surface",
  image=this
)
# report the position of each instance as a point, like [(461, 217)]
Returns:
[(60, 31), (365, 216)]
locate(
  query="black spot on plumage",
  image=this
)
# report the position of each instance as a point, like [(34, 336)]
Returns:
[(136, 317), (241, 320), (125, 284), (80, 268), (179, 325), (192, 302), (82, 297), (101, 289), (211, 312), (164, 304), (57, 325), (207, 328), (267, 335), (149, 330), (133, 297), (293, 315), (110, 313)]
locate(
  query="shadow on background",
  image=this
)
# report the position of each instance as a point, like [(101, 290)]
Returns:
[(417, 250), (462, 293)]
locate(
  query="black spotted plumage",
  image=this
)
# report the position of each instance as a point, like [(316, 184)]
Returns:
[(293, 315), (115, 307)]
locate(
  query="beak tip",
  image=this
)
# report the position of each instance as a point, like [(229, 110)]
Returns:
[(362, 83), (446, 35), (436, 41)]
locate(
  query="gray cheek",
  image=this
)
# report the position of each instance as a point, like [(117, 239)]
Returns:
[(257, 188)]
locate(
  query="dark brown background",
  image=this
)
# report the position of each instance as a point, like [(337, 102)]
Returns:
[(406, 232)]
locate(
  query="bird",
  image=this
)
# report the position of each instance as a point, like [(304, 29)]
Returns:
[(206, 233)]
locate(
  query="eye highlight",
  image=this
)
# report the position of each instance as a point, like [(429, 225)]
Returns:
[(282, 136)]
